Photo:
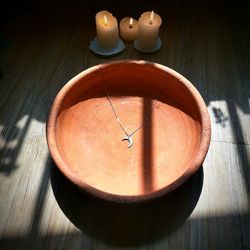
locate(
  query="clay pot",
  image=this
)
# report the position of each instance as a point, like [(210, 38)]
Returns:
[(85, 137)]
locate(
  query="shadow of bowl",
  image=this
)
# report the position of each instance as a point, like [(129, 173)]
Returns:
[(126, 224)]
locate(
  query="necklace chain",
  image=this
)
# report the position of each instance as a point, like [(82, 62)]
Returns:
[(128, 136)]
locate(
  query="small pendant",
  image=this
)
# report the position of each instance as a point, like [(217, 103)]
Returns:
[(129, 139)]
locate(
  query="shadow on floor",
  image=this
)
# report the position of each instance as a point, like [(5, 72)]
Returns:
[(126, 224)]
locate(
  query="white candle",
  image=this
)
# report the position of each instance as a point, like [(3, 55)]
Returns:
[(107, 29), (149, 25), (129, 29)]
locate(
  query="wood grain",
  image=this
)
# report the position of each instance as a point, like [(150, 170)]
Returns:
[(44, 46)]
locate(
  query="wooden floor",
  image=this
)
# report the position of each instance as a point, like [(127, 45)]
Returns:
[(42, 48)]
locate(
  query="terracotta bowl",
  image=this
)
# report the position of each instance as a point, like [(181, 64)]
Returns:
[(166, 112)]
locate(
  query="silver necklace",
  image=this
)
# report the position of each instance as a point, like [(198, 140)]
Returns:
[(128, 136)]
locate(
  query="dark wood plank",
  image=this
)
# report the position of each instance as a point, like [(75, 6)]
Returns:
[(206, 42)]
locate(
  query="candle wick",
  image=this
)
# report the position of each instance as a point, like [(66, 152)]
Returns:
[(150, 22), (130, 26)]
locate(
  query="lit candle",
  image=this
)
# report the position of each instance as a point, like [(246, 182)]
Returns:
[(128, 29), (149, 25), (107, 29)]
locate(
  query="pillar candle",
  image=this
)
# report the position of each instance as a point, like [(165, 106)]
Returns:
[(149, 24), (128, 29), (107, 29)]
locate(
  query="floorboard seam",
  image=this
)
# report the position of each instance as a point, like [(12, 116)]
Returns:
[(235, 143)]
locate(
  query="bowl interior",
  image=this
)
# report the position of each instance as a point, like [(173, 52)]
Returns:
[(89, 137)]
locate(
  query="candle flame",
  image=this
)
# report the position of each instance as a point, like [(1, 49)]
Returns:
[(105, 20), (151, 17), (130, 22)]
